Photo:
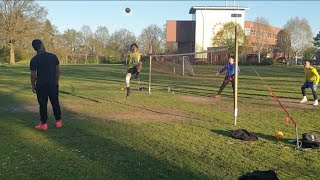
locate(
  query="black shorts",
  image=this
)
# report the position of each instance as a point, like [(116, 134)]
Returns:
[(132, 70)]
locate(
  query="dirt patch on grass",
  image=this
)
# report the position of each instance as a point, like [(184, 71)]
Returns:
[(197, 100), (295, 104), (221, 104), (144, 114), (270, 104), (113, 110)]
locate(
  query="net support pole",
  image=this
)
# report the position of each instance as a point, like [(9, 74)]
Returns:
[(236, 77), (174, 66), (150, 65), (182, 65), (297, 137)]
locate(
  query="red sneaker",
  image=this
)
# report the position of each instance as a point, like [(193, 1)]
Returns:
[(217, 96), (58, 124), (41, 127)]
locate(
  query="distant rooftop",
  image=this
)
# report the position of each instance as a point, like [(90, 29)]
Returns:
[(194, 8)]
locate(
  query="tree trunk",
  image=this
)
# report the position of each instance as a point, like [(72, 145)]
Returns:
[(73, 58), (97, 58), (296, 58), (12, 54), (288, 54), (66, 59), (86, 58), (259, 57)]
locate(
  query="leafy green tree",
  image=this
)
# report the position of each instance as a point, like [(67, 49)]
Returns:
[(225, 37), (18, 21)]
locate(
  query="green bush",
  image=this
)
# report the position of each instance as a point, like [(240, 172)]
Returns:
[(92, 59), (4, 55), (268, 61), (20, 55), (109, 60)]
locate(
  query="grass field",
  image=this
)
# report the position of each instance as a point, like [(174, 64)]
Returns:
[(184, 135)]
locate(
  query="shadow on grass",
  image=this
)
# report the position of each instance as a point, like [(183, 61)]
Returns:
[(260, 135), (82, 97), (108, 150), (222, 132), (272, 138)]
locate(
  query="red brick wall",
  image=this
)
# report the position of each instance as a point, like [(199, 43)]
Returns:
[(271, 33)]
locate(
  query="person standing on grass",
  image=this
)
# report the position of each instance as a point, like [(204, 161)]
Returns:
[(45, 74), (312, 80), (134, 64), (229, 67)]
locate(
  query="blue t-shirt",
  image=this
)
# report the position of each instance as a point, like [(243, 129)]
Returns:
[(230, 69)]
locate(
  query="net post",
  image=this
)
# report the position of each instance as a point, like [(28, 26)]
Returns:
[(174, 66), (297, 136), (150, 65), (236, 77), (182, 65)]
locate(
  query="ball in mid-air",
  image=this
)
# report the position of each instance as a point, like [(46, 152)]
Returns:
[(279, 135), (127, 10)]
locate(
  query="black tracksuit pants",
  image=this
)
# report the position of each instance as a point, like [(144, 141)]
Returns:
[(225, 82), (43, 93), (309, 85)]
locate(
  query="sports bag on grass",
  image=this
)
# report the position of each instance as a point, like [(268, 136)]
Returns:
[(260, 175), (244, 135), (309, 140)]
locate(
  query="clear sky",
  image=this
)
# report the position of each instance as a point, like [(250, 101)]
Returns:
[(74, 14)]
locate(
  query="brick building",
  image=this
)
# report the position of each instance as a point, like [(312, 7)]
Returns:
[(196, 35)]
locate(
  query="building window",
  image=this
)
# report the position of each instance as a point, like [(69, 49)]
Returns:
[(236, 15)]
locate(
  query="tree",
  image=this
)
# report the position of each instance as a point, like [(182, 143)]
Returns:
[(262, 28), (284, 41), (317, 46), (48, 35), (317, 41), (86, 38), (120, 42), (71, 39), (225, 37), (61, 48), (309, 53), (152, 36), (301, 35), (101, 37), (19, 20)]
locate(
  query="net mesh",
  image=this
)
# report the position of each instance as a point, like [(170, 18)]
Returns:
[(183, 73)]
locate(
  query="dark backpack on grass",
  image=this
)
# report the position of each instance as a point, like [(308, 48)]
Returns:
[(260, 175), (309, 136), (244, 135), (309, 140)]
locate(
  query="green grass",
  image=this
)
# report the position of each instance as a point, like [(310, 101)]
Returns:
[(184, 135)]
